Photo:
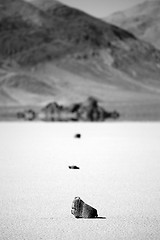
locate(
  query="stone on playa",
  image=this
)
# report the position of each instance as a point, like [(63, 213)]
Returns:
[(78, 135), (73, 167), (82, 210)]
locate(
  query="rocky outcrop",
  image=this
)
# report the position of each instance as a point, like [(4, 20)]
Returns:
[(88, 110), (82, 210), (85, 111), (28, 115)]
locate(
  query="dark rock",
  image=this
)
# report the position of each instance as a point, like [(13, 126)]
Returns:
[(75, 107), (73, 167), (92, 112), (20, 115), (55, 112), (28, 115), (82, 210), (112, 115), (78, 135)]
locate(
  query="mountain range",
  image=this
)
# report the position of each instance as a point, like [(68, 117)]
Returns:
[(52, 52), (142, 20)]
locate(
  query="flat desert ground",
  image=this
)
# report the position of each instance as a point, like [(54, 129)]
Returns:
[(119, 175)]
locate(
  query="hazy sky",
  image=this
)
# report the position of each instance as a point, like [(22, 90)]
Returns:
[(101, 8)]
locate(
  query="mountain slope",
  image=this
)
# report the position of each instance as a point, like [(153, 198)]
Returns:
[(72, 33), (67, 32), (21, 9), (66, 55), (6, 99), (44, 5), (142, 20)]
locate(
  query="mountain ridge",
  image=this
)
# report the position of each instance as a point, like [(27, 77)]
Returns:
[(86, 56), (44, 5), (142, 20)]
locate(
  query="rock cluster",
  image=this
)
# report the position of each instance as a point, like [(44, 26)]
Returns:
[(28, 115), (88, 110)]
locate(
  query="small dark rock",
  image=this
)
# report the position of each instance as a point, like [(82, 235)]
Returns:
[(73, 167), (20, 115), (29, 115), (78, 135)]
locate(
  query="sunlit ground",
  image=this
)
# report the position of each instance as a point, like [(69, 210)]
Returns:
[(119, 175)]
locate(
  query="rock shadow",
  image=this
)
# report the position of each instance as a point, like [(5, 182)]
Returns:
[(91, 218)]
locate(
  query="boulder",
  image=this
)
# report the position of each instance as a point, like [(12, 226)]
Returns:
[(82, 210)]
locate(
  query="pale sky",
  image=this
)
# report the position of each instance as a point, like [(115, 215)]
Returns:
[(101, 8)]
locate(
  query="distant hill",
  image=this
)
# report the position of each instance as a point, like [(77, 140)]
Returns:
[(51, 51), (6, 99), (21, 10), (143, 20), (69, 33)]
